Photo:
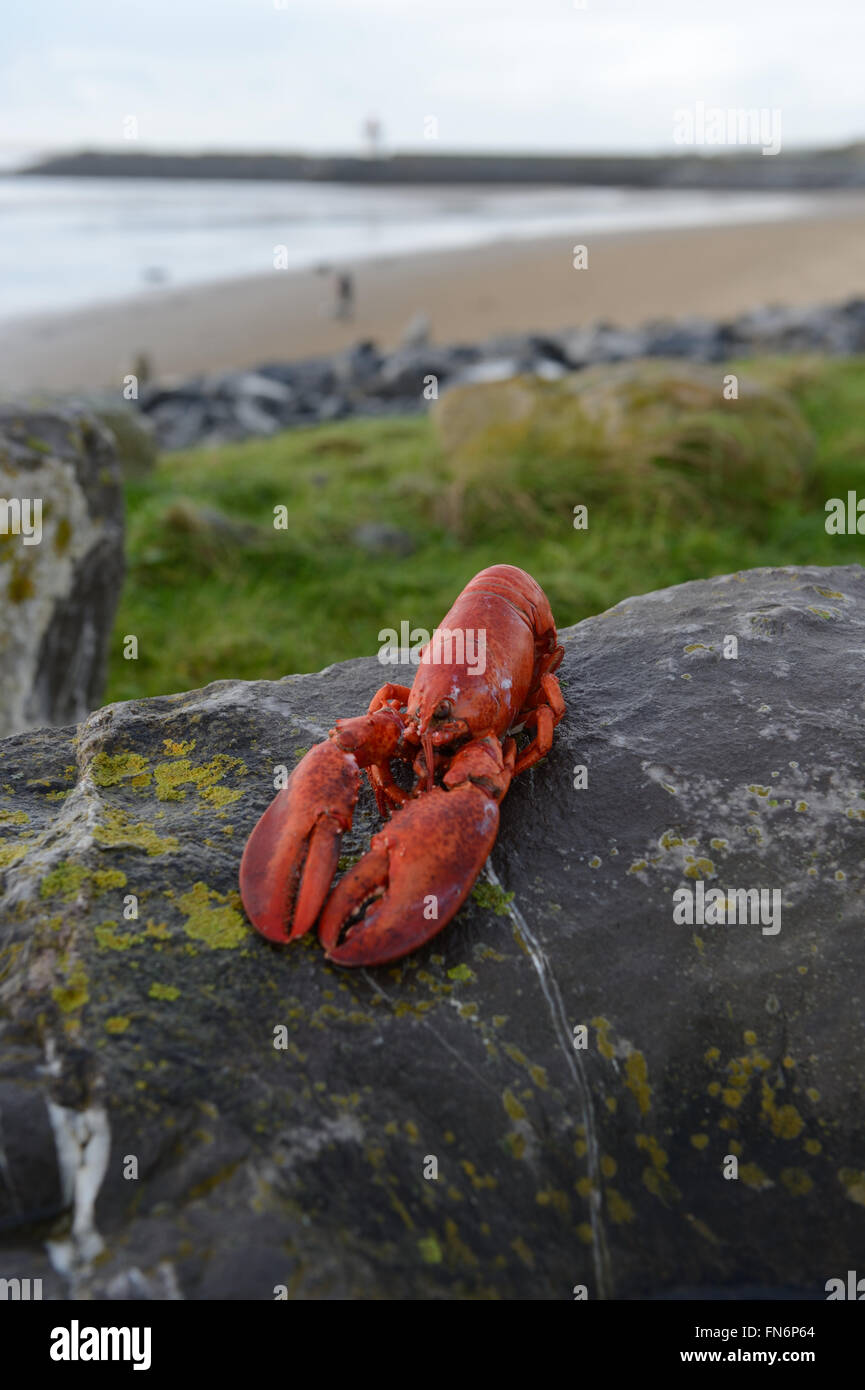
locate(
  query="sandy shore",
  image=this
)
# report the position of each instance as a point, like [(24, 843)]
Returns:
[(468, 294)]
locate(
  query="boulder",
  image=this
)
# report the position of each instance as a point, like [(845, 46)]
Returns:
[(195, 1113), (60, 579), (653, 433)]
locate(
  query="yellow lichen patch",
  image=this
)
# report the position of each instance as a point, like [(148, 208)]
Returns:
[(656, 1178), (106, 879), (584, 1231), (754, 1177), (714, 1088), (812, 1146), (712, 1054), (699, 1141), (430, 1250), (854, 1182), (177, 750), (670, 840), (516, 1144), (796, 1181), (552, 1197), (584, 1186), (158, 991), (10, 854), (605, 1047), (785, 1120), (66, 881), (108, 938), (478, 1180), (458, 1251), (637, 1080), (612, 1104), (118, 832), (702, 1229), (608, 1166), (619, 1208), (109, 771), (699, 868), (73, 994), (14, 818), (172, 778), (117, 1024), (580, 1148), (512, 1106), (638, 866), (221, 926), (750, 1037), (520, 1248)]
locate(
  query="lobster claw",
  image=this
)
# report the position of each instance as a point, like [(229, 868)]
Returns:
[(291, 856), (418, 872)]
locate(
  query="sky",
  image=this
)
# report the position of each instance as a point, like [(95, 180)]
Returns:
[(522, 75)]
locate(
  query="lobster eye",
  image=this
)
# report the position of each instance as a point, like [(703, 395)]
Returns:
[(444, 710)]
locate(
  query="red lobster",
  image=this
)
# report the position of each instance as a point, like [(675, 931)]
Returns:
[(457, 727)]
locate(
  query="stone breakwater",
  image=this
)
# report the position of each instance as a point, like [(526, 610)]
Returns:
[(366, 381)]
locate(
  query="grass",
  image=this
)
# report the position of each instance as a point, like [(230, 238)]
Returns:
[(676, 490)]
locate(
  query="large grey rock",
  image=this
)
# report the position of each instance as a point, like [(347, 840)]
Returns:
[(60, 586), (303, 1167)]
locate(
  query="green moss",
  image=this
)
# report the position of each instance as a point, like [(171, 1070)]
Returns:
[(491, 896), (462, 973), (221, 927)]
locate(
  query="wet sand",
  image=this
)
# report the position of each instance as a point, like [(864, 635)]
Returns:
[(468, 295)]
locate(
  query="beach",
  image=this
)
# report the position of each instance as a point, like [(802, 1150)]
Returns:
[(468, 294)]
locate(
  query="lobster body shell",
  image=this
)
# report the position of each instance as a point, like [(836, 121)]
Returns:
[(505, 612)]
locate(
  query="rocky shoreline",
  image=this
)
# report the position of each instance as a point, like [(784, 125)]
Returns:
[(366, 381)]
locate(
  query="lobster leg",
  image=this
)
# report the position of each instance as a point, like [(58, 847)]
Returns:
[(422, 865), (544, 718), (291, 856), (386, 791)]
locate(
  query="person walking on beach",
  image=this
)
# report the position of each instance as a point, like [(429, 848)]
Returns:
[(344, 308)]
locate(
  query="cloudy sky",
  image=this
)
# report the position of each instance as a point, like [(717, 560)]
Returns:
[(496, 74)]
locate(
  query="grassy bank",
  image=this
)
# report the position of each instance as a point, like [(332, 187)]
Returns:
[(214, 591)]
